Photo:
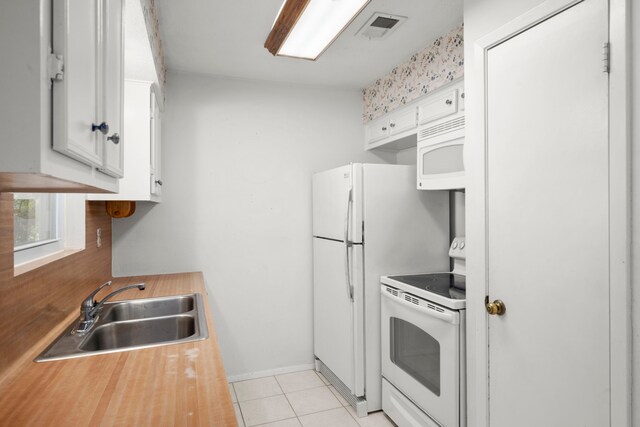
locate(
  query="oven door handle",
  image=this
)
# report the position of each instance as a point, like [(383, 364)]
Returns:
[(447, 316)]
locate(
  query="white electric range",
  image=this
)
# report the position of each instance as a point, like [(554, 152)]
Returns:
[(423, 345)]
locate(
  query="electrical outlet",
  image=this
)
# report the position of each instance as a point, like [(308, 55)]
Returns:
[(99, 237)]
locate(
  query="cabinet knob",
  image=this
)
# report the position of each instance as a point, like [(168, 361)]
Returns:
[(462, 95), (384, 128), (115, 138), (102, 127), (448, 102), (392, 125), (159, 181)]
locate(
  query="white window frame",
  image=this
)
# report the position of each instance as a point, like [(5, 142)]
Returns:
[(70, 236)]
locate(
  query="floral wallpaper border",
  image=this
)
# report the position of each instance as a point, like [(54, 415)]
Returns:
[(150, 13), (434, 66)]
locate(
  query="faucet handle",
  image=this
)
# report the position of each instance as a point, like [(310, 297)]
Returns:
[(89, 299)]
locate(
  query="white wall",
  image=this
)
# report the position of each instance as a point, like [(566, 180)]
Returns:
[(237, 162)]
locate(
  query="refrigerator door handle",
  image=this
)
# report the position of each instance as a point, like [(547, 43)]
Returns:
[(347, 245)]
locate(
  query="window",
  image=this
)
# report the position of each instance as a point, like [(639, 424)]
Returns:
[(46, 225)]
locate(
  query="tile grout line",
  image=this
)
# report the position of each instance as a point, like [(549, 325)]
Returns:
[(312, 388), (238, 402), (285, 396)]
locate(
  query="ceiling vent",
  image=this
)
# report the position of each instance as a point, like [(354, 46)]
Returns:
[(380, 26)]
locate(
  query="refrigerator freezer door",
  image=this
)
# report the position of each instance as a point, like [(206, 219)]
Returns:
[(336, 203), (338, 320)]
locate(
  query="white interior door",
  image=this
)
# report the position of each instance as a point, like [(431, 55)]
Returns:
[(548, 223)]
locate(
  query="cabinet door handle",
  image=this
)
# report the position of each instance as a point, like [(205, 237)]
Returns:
[(115, 138), (448, 102), (462, 95), (384, 128), (102, 127), (392, 125), (159, 181)]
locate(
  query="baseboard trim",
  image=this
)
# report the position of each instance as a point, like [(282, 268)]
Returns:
[(270, 372)]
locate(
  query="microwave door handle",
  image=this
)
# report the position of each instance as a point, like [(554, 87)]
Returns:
[(347, 245), (447, 316)]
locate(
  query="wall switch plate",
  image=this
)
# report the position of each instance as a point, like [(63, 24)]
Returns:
[(99, 237)]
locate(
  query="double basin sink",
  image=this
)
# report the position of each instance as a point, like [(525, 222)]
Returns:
[(132, 325)]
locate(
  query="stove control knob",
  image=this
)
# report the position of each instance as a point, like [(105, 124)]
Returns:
[(455, 244), (462, 245)]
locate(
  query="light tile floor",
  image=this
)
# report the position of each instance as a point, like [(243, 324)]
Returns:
[(298, 399)]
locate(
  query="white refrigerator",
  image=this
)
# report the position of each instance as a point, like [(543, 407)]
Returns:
[(369, 220)]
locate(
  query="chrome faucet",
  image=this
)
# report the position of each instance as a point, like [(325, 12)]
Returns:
[(90, 308)]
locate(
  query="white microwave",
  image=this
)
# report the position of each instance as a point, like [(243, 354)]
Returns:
[(440, 160)]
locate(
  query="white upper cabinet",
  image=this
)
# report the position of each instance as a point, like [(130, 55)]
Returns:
[(142, 122), (87, 102), (62, 79), (390, 131), (398, 129)]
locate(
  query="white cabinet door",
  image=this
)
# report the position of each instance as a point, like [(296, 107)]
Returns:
[(377, 130), (438, 106), (403, 121), (112, 93), (548, 223), (77, 37), (155, 147)]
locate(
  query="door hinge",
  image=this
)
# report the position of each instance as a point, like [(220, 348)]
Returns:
[(605, 58), (55, 67)]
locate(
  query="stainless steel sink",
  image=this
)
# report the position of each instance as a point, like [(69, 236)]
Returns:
[(134, 324), (145, 308)]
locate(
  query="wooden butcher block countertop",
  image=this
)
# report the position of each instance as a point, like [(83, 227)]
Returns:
[(172, 385)]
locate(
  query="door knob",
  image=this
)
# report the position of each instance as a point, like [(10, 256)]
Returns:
[(495, 308)]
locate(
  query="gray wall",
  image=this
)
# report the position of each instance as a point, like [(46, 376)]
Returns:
[(237, 162)]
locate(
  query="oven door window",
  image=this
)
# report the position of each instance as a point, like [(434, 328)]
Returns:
[(415, 352)]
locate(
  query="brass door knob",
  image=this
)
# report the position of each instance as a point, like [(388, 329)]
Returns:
[(496, 308)]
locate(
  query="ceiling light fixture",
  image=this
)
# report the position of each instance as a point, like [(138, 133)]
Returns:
[(306, 28)]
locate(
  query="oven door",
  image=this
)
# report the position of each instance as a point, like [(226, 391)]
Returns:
[(421, 353)]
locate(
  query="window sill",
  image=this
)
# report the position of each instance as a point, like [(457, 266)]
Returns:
[(39, 262)]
